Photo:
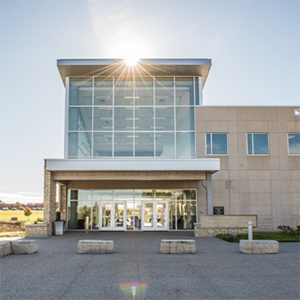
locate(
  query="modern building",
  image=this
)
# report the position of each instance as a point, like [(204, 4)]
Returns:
[(142, 152)]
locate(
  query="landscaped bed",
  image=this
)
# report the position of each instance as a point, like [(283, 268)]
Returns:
[(275, 236)]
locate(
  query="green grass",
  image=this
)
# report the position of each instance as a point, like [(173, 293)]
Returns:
[(275, 236), (12, 234), (8, 214)]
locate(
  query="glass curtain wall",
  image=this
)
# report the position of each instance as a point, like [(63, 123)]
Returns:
[(142, 117), (86, 203)]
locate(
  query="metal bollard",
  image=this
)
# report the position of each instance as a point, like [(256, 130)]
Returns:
[(250, 235)]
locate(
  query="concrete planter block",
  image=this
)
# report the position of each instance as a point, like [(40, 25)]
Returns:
[(177, 246), (5, 248), (24, 246), (259, 246), (95, 246)]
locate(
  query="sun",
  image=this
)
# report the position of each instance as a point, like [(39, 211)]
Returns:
[(131, 60)]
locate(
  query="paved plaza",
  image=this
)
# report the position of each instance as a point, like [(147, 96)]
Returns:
[(217, 271)]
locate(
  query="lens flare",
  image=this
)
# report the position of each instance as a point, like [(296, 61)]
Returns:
[(133, 287), (131, 61)]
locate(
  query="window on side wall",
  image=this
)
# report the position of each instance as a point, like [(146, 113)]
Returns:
[(257, 143), (294, 143), (216, 144)]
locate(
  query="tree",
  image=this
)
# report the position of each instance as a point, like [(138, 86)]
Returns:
[(17, 205), (27, 212)]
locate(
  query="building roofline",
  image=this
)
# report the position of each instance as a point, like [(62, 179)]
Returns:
[(144, 67)]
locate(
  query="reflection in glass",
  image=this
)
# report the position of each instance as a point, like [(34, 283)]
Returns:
[(130, 215), (165, 194), (144, 144), (123, 144), (186, 214), (184, 91), (161, 217), (197, 91), (164, 91), (123, 118), (77, 213), (102, 118), (185, 118), (80, 91), (106, 215), (102, 144), (137, 215), (258, 143), (172, 215), (123, 194), (124, 91), (84, 194), (79, 144), (143, 91), (216, 143), (186, 194), (144, 194), (80, 118), (119, 215), (103, 90), (294, 143), (148, 215), (164, 118), (185, 144), (165, 144), (144, 120), (102, 194), (95, 222)]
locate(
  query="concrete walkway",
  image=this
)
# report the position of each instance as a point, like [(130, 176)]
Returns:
[(217, 271)]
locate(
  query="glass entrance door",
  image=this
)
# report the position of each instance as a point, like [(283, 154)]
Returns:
[(154, 215), (112, 215)]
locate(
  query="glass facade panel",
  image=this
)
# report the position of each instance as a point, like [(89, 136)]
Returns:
[(80, 118), (124, 91), (123, 194), (123, 144), (164, 142), (77, 213), (102, 195), (144, 120), (80, 145), (144, 144), (185, 144), (165, 194), (135, 93), (184, 91), (164, 91), (186, 195), (164, 118), (95, 211), (144, 194), (102, 144), (80, 91), (143, 91), (123, 118), (103, 91), (197, 98), (172, 215), (186, 214), (294, 143), (185, 118), (258, 143), (112, 204), (103, 118)]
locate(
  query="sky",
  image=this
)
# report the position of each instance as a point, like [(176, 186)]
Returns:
[(254, 47)]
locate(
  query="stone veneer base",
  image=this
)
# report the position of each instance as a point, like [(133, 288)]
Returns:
[(259, 246), (37, 230)]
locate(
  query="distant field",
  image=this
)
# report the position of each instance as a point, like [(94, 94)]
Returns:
[(6, 215)]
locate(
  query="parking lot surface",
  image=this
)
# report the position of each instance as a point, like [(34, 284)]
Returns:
[(217, 271)]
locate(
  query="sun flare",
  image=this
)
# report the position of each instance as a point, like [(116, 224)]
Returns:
[(131, 60)]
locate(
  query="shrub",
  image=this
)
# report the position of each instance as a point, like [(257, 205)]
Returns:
[(35, 222), (289, 230), (27, 212), (40, 220)]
